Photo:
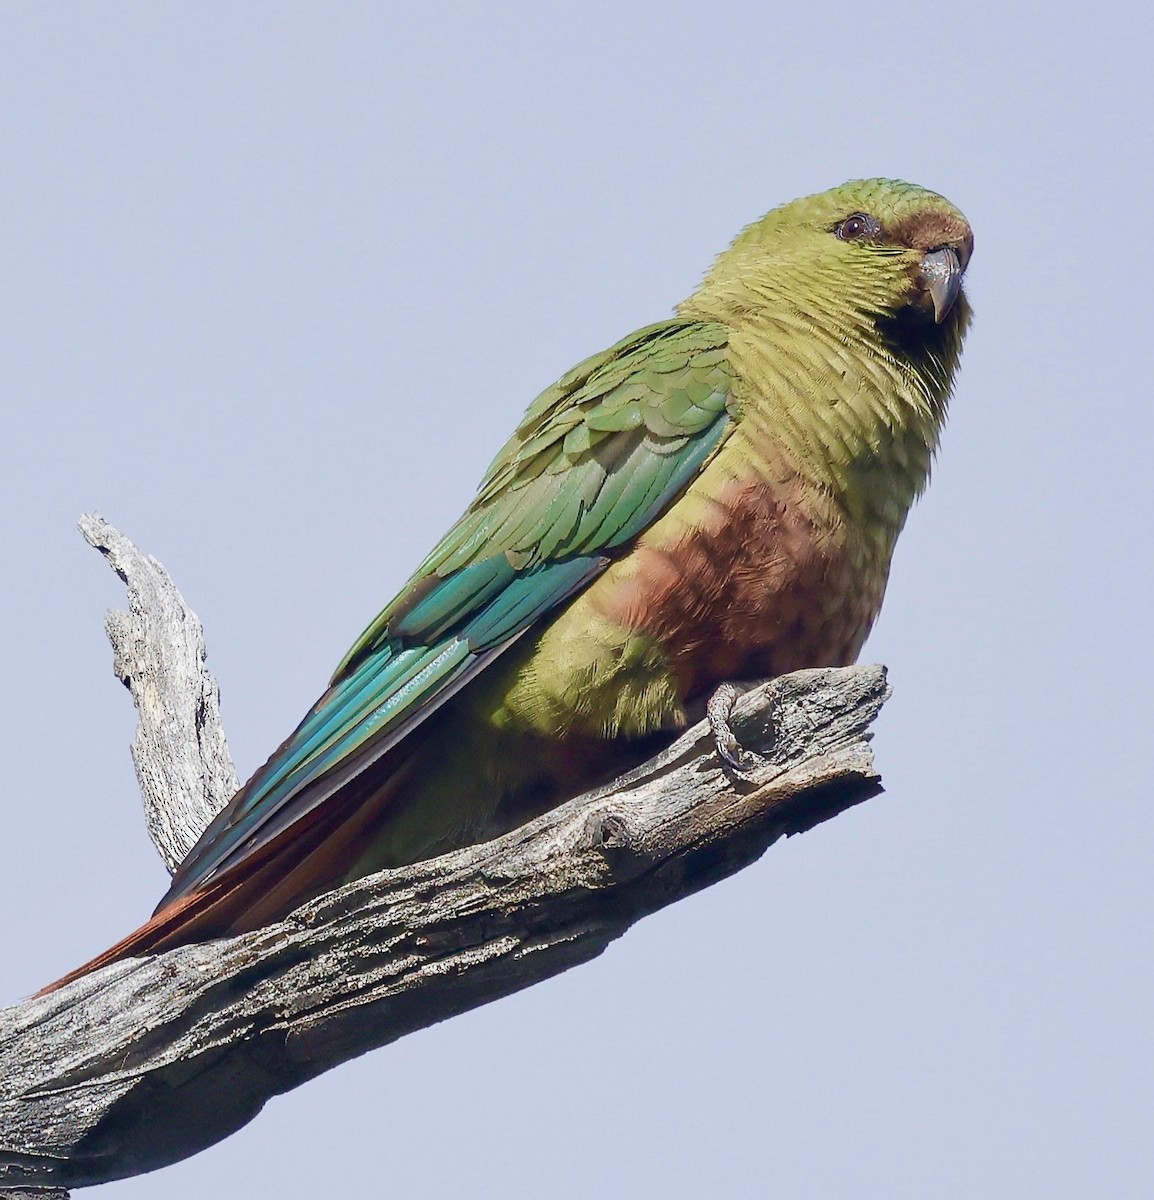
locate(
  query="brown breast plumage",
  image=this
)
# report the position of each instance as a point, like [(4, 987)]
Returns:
[(768, 578)]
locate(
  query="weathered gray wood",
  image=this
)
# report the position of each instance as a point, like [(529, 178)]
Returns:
[(150, 1060), (182, 760)]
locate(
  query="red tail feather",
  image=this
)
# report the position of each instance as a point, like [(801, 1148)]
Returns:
[(305, 860)]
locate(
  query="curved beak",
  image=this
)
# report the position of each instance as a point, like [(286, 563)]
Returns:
[(942, 271)]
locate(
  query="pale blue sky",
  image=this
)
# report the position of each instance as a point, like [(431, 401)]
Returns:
[(277, 280)]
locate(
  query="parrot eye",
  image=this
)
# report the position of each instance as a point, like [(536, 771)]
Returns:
[(858, 227)]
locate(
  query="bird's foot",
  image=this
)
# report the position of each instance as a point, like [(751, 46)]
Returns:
[(735, 758)]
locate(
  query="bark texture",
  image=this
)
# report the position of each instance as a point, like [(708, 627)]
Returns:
[(148, 1061), (182, 760)]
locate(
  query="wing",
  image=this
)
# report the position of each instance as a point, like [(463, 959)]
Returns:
[(595, 460)]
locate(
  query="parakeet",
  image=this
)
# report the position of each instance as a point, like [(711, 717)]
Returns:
[(714, 498)]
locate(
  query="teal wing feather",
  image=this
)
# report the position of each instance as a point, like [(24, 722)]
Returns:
[(595, 460)]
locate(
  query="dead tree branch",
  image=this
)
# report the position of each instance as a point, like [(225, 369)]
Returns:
[(151, 1060), (182, 760)]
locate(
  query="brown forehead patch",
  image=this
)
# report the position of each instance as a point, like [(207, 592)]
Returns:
[(929, 228)]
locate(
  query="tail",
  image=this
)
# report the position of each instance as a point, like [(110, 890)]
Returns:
[(176, 925), (305, 860)]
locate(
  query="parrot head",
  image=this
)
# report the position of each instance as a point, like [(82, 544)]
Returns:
[(874, 253)]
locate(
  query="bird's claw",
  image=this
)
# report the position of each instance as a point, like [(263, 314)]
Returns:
[(735, 758)]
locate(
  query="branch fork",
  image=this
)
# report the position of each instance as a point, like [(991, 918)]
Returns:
[(147, 1061)]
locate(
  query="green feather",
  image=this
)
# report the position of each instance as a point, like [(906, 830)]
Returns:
[(566, 492), (796, 340)]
